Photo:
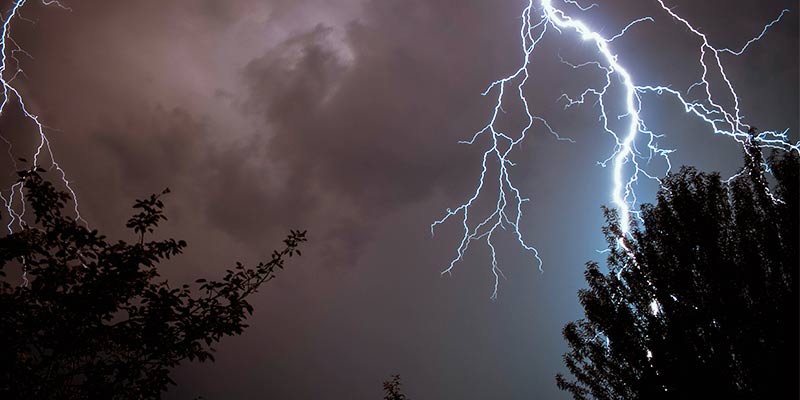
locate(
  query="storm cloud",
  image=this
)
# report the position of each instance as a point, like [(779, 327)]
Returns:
[(343, 118)]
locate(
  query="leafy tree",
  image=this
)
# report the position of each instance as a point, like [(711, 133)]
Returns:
[(94, 319), (392, 389), (701, 301)]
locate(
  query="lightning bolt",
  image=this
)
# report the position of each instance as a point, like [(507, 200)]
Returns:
[(626, 160), (10, 71)]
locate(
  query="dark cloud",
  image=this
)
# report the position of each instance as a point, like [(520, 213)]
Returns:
[(342, 118), (364, 125)]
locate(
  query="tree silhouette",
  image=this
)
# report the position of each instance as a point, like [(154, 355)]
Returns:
[(93, 319), (392, 389), (703, 302)]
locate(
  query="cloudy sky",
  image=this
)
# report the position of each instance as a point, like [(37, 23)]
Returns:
[(342, 117)]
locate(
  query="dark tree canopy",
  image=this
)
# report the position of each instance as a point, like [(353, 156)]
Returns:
[(705, 305), (392, 390), (94, 319)]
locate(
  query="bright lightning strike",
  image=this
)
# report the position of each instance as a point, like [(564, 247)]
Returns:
[(626, 159), (10, 71)]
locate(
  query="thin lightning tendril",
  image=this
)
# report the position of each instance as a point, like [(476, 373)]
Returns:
[(627, 161), (10, 70)]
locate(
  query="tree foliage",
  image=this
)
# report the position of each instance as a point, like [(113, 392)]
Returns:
[(94, 319), (392, 390), (701, 301)]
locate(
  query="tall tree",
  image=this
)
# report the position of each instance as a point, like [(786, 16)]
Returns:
[(701, 301), (93, 318)]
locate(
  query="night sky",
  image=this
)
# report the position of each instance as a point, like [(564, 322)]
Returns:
[(342, 117)]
